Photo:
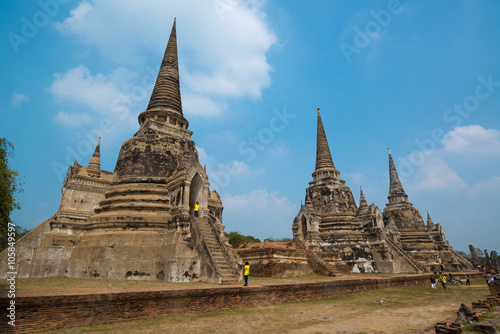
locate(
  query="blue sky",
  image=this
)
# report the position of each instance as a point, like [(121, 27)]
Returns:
[(422, 77)]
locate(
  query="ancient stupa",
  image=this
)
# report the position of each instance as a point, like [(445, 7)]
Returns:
[(330, 220), (137, 222), (393, 242)]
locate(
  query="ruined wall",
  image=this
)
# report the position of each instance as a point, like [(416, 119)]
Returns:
[(135, 254), (111, 254), (26, 250), (275, 260)]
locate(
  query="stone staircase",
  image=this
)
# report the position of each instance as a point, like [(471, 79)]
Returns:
[(224, 266), (319, 265), (416, 264)]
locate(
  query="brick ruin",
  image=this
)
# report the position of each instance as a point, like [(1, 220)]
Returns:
[(492, 264), (292, 258), (137, 222), (393, 241)]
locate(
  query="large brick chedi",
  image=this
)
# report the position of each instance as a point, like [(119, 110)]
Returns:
[(140, 223)]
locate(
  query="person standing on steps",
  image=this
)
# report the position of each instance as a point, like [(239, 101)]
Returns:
[(467, 282), (196, 209), (246, 272)]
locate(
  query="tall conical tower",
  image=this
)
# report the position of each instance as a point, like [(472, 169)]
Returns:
[(398, 203), (325, 173), (324, 162), (396, 191), (161, 149), (328, 219), (401, 214), (146, 219), (165, 106), (363, 204)]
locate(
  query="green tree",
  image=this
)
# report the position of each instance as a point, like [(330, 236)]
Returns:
[(466, 256), (10, 186), (20, 232), (236, 236), (271, 239), (480, 255)]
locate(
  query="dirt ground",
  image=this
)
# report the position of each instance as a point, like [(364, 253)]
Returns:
[(405, 310)]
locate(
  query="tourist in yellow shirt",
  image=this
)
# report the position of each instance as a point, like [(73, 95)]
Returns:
[(246, 271), (196, 208), (442, 279)]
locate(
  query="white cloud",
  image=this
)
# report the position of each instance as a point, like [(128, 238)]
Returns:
[(356, 178), (259, 199), (473, 140), (435, 174), (71, 119), (110, 97), (487, 188), (432, 169), (202, 155), (200, 105), (222, 174), (17, 99), (225, 173), (78, 84), (224, 46), (259, 213), (279, 150)]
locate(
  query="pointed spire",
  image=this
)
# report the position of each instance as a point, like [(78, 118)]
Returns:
[(396, 191), (166, 93), (325, 169), (363, 204), (97, 151), (323, 155), (164, 110), (429, 220), (94, 168)]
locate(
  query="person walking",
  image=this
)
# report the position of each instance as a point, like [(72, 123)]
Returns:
[(246, 272), (467, 279), (196, 209), (433, 284), (442, 279)]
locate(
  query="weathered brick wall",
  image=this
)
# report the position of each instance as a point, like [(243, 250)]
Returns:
[(37, 313), (494, 289)]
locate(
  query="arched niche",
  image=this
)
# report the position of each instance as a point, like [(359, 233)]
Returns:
[(303, 226), (196, 192)]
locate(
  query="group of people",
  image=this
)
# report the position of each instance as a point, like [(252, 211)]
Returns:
[(443, 279)]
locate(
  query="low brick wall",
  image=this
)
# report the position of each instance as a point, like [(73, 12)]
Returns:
[(37, 313)]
